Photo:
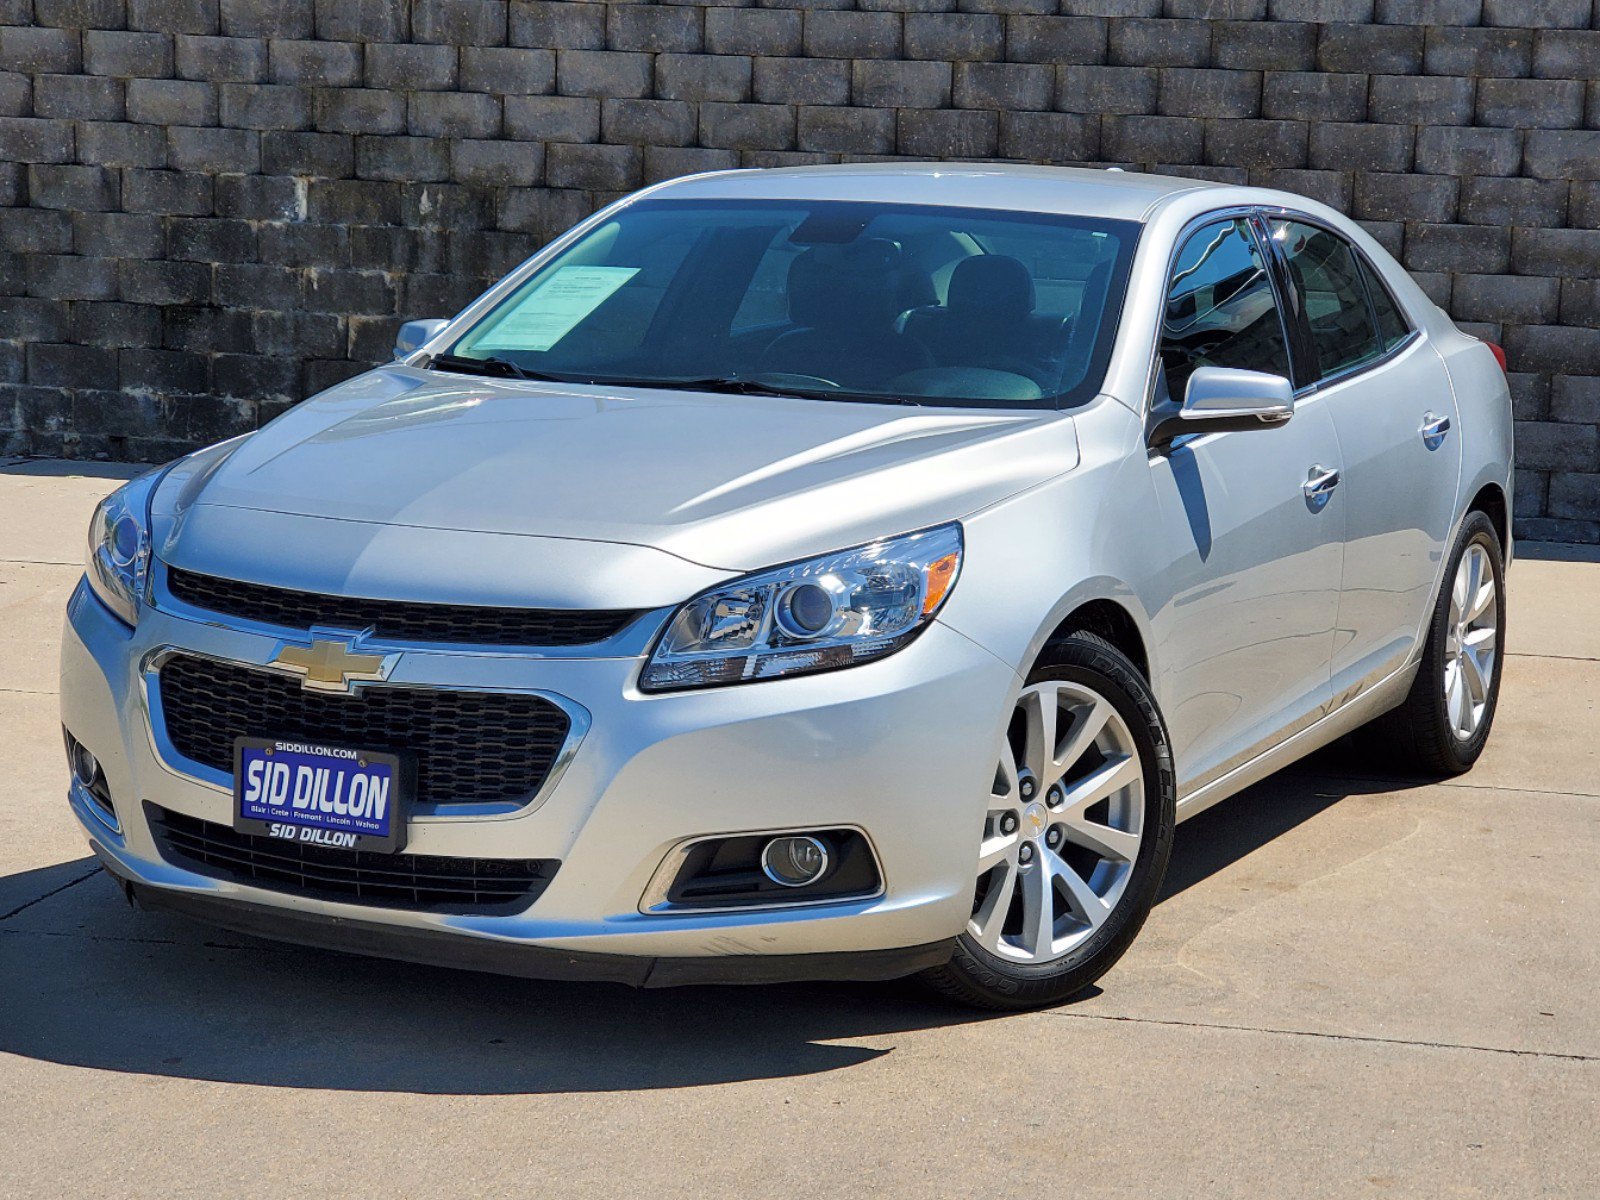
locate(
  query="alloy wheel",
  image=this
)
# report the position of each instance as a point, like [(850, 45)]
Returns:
[(1471, 641), (1064, 826)]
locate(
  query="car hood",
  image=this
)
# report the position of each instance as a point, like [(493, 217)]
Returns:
[(726, 482)]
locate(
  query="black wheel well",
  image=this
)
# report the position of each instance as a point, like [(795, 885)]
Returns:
[(1491, 502), (1111, 621)]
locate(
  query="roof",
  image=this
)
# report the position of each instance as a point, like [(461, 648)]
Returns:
[(1082, 191)]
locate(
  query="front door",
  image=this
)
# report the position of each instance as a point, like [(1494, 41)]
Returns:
[(1253, 553), (1395, 415)]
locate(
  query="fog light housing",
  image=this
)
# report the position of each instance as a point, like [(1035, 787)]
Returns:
[(91, 778), (795, 861)]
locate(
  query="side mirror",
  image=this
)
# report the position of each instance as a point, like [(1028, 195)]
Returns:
[(1221, 399), (414, 335)]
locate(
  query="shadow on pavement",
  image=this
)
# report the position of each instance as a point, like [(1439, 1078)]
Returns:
[(99, 987), (60, 468), (155, 995), (1557, 552), (1222, 835)]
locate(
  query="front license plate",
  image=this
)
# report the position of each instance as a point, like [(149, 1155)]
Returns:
[(321, 795)]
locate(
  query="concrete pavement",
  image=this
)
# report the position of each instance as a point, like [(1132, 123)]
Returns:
[(1354, 986)]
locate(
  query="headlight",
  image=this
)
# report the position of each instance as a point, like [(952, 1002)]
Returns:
[(818, 615), (119, 546)]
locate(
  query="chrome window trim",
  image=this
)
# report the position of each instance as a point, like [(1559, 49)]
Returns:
[(654, 902), (629, 642), (579, 721)]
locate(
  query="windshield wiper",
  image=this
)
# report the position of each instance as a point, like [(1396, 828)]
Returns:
[(500, 368), (733, 385)]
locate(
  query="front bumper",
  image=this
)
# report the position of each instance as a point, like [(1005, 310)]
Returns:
[(902, 749)]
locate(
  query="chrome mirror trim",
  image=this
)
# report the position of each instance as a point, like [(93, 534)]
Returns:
[(1225, 392)]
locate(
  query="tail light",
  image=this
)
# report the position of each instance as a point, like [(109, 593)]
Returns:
[(1499, 354)]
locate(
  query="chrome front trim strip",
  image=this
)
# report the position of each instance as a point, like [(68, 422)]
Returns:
[(630, 642)]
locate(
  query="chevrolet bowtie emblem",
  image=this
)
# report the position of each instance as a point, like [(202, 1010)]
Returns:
[(327, 666)]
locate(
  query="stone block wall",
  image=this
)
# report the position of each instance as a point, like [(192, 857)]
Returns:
[(210, 209)]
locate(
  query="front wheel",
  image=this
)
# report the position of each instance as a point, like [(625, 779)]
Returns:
[(1076, 837)]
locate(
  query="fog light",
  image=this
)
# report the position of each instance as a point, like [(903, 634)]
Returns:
[(794, 861), (84, 764)]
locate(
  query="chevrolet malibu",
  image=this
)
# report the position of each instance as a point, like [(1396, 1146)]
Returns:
[(834, 573)]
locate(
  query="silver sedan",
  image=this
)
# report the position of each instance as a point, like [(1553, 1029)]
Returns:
[(842, 572)]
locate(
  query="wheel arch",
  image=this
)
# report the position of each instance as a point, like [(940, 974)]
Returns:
[(1110, 620), (1490, 499)]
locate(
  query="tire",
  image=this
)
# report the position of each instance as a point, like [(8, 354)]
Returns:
[(1005, 958), (1424, 733)]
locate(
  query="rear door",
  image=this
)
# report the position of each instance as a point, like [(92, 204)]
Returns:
[(1395, 414), (1251, 585)]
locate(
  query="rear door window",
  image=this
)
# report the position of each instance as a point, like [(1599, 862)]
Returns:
[(1327, 274), (1392, 325)]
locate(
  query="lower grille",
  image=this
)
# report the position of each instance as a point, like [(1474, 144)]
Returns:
[(414, 882), (470, 747)]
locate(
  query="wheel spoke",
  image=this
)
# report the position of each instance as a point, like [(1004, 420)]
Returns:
[(1481, 600), (1007, 787), (1480, 640), (1088, 721), (1082, 899), (1111, 776), (1038, 911), (1474, 581), (1104, 840), (1455, 692), (995, 851), (1476, 675), (1042, 712), (990, 920)]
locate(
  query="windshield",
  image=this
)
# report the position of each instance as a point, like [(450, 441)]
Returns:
[(825, 299)]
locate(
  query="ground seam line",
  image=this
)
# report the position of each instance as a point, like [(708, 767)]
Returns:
[(1401, 781), (1337, 1037), (52, 892)]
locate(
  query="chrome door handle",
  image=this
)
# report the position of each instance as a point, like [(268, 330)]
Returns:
[(1320, 483), (1434, 427)]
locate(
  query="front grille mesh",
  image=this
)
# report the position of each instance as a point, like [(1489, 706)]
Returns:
[(456, 624), (470, 747), (417, 882)]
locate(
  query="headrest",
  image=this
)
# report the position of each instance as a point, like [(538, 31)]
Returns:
[(844, 287), (991, 286)]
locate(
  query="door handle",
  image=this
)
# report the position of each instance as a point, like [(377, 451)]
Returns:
[(1434, 428), (1319, 485)]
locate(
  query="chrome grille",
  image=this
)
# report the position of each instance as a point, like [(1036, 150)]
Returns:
[(454, 624), (418, 882), (470, 747)]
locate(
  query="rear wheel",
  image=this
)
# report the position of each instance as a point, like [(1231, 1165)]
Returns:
[(1442, 726), (1076, 836)]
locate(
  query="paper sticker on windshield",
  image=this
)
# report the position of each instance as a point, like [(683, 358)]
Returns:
[(549, 312)]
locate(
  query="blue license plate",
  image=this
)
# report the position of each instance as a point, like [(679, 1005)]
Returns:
[(321, 795)]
